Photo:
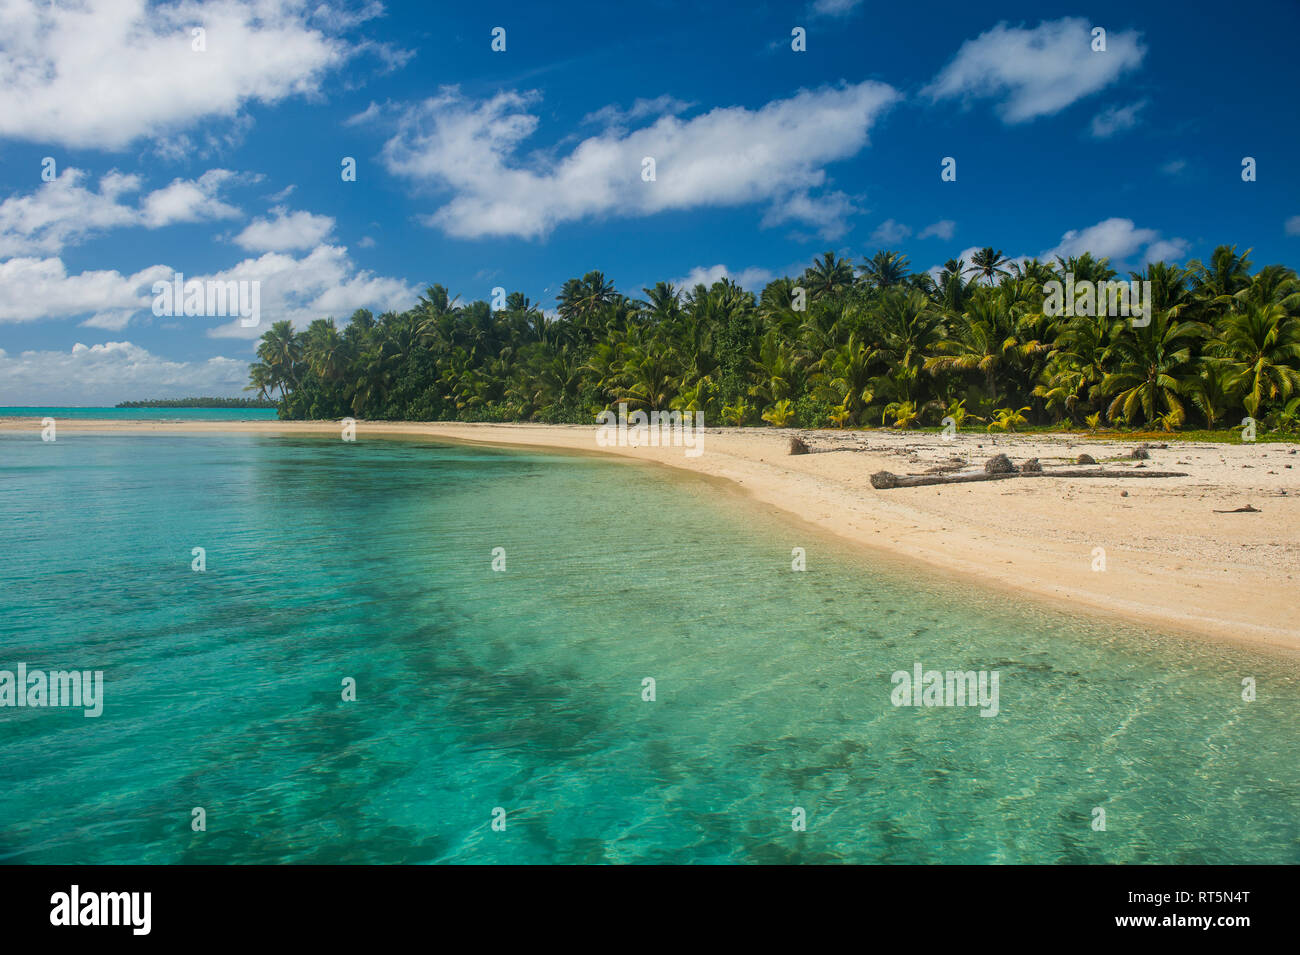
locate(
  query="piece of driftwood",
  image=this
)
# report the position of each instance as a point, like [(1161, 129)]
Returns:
[(1088, 473), (883, 480), (1241, 510)]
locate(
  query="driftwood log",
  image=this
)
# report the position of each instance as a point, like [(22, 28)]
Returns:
[(1082, 472), (882, 480)]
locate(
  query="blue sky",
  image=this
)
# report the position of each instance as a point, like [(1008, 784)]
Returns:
[(522, 168)]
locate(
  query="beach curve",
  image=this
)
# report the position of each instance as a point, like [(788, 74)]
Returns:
[(1171, 562)]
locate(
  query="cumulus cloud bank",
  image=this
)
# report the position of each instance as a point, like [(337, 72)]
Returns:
[(1120, 240), (112, 372), (752, 278), (1117, 239), (1036, 72), (102, 74), (775, 155), (323, 283), (67, 210), (285, 231)]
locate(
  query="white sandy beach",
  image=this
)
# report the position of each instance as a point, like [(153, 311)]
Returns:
[(1172, 563)]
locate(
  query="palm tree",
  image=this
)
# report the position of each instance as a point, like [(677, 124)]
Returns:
[(435, 314), (323, 349), (1213, 391), (567, 301), (1260, 347), (912, 329), (779, 368), (1008, 419), (1070, 381), (847, 376), (780, 414), (885, 269), (582, 298), (260, 380), (1226, 274), (1085, 268), (652, 384), (828, 275), (776, 306), (1040, 273), (977, 343), (1273, 284), (904, 413), (1155, 368), (1286, 418), (281, 352), (988, 264), (597, 292), (377, 365), (695, 396), (1169, 288), (952, 287), (663, 305)]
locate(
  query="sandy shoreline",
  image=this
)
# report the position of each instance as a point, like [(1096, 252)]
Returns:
[(1171, 562)]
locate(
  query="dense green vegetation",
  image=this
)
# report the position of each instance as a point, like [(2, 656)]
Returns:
[(260, 402), (874, 345)]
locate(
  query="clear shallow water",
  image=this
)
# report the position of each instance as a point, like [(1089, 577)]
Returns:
[(523, 689), (146, 414)]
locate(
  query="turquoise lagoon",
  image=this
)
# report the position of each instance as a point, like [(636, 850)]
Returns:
[(522, 689)]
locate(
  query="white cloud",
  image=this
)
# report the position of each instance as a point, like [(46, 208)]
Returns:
[(944, 229), (67, 211), (1036, 72), (1293, 225), (835, 8), (1165, 250), (64, 211), (1116, 239), (471, 149), (286, 232), (103, 73), (113, 319), (1115, 119), (1119, 240), (33, 289), (188, 200), (1174, 167), (112, 372), (370, 114), (752, 278), (659, 106), (827, 213), (323, 284), (890, 232)]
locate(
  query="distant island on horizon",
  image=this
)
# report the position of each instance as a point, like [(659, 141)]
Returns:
[(198, 403)]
